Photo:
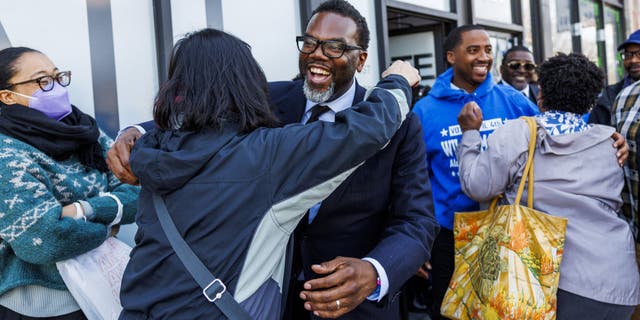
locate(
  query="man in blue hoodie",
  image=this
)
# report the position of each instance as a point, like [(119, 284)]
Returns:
[(468, 81)]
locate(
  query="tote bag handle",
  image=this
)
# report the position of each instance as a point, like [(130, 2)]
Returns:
[(527, 174)]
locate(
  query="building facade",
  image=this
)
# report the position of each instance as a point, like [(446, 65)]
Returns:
[(118, 49)]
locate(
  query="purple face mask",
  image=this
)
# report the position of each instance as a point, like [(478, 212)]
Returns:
[(54, 104)]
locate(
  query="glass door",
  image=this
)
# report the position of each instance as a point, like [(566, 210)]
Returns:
[(613, 37), (417, 39), (590, 40)]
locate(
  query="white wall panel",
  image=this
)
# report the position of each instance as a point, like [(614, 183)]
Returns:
[(60, 30), (135, 57), (270, 27), (187, 16)]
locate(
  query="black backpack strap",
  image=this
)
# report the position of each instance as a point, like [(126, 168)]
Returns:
[(213, 288)]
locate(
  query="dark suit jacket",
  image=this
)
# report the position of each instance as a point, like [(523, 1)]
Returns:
[(601, 112), (380, 211), (533, 93)]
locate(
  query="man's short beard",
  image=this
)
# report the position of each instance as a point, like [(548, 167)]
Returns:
[(318, 96)]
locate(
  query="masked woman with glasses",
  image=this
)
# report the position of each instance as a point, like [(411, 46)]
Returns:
[(57, 197)]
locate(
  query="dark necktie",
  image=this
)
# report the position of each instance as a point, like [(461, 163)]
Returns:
[(300, 231), (316, 112)]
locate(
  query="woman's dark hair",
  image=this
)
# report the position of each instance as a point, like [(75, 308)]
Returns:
[(345, 9), (8, 58), (213, 80), (569, 83)]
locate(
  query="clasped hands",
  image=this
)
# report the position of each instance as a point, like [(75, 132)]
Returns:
[(69, 211), (346, 283), (118, 156)]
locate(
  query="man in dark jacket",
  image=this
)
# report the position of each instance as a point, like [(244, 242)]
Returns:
[(358, 247), (368, 237), (630, 52)]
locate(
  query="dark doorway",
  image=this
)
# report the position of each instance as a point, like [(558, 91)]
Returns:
[(417, 38)]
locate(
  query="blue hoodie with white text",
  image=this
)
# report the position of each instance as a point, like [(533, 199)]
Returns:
[(438, 113)]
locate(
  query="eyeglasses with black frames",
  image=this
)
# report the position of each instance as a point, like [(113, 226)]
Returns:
[(515, 65), (46, 82), (331, 48), (628, 55)]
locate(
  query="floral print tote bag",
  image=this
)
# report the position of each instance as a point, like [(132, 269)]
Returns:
[(507, 259)]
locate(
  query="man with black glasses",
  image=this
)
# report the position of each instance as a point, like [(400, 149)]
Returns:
[(518, 69), (353, 251), (630, 54)]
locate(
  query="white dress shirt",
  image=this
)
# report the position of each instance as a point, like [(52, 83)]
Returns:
[(525, 91)]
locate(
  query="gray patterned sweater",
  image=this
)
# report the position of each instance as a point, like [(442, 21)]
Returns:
[(33, 190)]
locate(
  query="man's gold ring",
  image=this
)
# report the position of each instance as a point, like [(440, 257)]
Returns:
[(337, 304)]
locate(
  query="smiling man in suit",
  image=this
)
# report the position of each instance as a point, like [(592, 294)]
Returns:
[(360, 245), (518, 69), (354, 250)]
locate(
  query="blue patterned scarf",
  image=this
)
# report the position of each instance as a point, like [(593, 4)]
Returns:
[(558, 122)]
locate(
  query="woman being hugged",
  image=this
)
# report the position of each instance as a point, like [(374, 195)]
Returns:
[(576, 176), (58, 199), (234, 185)]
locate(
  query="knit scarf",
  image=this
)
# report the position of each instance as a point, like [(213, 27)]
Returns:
[(76, 133)]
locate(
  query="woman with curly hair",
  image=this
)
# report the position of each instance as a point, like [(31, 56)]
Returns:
[(576, 176)]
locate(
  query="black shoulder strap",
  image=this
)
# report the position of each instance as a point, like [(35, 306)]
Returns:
[(213, 288)]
